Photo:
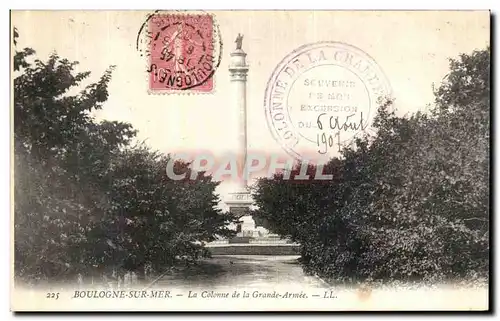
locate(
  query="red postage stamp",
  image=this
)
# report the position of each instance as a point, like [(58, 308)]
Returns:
[(183, 50)]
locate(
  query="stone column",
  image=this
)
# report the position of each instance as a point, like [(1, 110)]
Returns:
[(238, 70)]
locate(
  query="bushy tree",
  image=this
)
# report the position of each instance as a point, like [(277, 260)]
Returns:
[(61, 156), (291, 206), (85, 198), (411, 201), (154, 220)]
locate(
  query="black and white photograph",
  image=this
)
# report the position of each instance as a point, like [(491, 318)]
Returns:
[(250, 160)]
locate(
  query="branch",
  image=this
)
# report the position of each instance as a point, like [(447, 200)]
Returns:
[(475, 218)]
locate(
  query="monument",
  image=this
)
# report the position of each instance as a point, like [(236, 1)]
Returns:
[(254, 239), (240, 201)]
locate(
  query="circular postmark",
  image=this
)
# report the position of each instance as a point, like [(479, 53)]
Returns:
[(321, 96), (183, 50)]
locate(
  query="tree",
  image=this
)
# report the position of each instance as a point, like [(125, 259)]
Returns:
[(86, 199), (153, 220), (62, 157), (411, 201)]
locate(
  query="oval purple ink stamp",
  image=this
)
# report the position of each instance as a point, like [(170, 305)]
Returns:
[(183, 51), (321, 96)]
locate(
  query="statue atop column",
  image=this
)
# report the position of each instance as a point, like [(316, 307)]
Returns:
[(238, 67), (239, 41)]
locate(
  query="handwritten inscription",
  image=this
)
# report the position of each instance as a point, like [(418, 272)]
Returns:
[(327, 84), (326, 141)]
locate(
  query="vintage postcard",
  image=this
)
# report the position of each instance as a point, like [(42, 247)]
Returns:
[(177, 160)]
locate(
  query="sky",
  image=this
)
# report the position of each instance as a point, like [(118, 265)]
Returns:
[(411, 48)]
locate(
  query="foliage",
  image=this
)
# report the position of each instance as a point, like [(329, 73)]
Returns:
[(410, 202), (85, 197)]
